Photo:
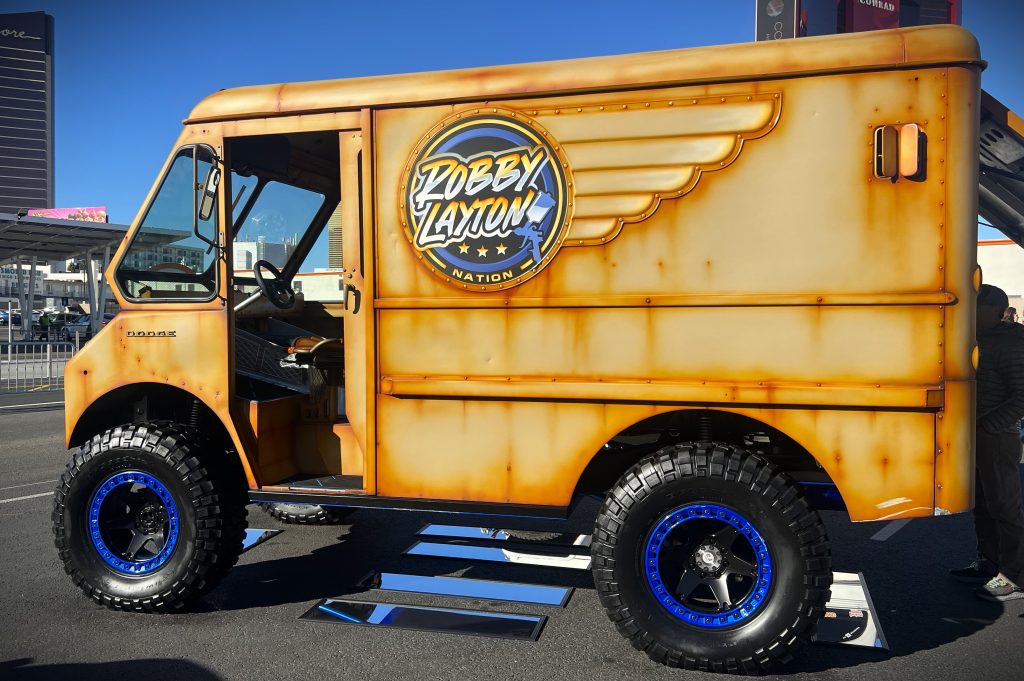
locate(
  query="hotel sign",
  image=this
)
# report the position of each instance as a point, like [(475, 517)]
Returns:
[(26, 31)]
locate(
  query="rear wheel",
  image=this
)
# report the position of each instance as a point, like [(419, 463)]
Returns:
[(148, 517), (707, 557), (533, 535), (307, 514)]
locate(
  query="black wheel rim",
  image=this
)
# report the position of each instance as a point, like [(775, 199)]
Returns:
[(133, 522), (707, 565)]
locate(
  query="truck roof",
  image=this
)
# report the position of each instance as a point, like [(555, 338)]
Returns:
[(867, 51)]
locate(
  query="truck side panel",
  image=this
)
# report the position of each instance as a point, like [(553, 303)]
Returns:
[(772, 269)]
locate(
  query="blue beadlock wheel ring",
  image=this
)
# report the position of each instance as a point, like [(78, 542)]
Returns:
[(716, 552), (133, 522)]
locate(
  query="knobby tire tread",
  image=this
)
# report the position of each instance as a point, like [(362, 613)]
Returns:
[(216, 496), (707, 460), (315, 515)]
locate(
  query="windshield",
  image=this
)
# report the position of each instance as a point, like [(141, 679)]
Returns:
[(275, 224), (166, 259)]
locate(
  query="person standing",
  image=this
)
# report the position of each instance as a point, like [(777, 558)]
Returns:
[(998, 516)]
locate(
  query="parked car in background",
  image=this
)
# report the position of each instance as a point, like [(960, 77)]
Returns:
[(55, 330), (82, 327), (5, 315)]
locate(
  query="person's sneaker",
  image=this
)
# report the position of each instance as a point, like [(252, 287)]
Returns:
[(975, 573), (1000, 589)]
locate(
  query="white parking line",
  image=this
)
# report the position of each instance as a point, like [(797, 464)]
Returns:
[(890, 529), (34, 405), (28, 484), (30, 496)]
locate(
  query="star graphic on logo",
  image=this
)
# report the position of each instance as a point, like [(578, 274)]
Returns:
[(463, 247), (501, 248), (482, 251)]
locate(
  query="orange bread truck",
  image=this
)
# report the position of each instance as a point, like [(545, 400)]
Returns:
[(717, 287)]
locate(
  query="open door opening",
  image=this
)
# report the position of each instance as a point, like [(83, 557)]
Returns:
[(291, 332)]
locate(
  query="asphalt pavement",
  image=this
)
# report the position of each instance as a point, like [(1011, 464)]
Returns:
[(247, 628)]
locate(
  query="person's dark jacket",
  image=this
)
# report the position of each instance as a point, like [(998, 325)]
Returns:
[(1001, 378)]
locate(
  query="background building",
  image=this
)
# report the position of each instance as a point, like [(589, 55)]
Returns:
[(26, 111), (1002, 265), (162, 254), (246, 253), (55, 287)]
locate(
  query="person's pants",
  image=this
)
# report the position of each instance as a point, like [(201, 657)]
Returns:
[(998, 515)]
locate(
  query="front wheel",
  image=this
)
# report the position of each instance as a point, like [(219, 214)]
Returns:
[(707, 557), (147, 517)]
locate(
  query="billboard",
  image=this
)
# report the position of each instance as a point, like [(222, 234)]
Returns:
[(777, 19), (85, 214), (870, 15)]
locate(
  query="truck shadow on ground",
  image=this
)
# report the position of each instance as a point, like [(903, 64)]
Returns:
[(373, 542), (918, 606), (22, 669)]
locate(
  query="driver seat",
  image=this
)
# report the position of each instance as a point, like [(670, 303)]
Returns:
[(322, 353)]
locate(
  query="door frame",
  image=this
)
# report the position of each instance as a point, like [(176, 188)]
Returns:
[(360, 339), (356, 190)]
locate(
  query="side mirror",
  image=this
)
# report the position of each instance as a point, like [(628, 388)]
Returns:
[(204, 196), (209, 196)]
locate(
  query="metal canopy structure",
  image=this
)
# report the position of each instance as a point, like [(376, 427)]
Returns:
[(24, 241), (1001, 177), (52, 238)]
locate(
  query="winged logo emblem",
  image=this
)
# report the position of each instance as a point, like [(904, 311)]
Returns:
[(627, 157), (491, 194)]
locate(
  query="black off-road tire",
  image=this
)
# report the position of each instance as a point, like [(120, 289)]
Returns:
[(307, 514), (728, 476), (208, 493)]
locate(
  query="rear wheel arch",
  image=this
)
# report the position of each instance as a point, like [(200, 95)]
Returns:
[(651, 434)]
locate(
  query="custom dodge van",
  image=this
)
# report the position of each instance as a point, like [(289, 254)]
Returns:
[(721, 288)]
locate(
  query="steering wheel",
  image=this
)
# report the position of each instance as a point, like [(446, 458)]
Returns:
[(275, 288)]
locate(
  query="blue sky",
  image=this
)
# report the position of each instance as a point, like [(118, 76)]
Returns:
[(127, 73)]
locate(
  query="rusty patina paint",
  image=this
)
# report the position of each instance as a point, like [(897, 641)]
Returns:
[(835, 54), (747, 260), (193, 360)]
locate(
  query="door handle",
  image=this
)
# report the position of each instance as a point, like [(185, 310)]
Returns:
[(347, 289)]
